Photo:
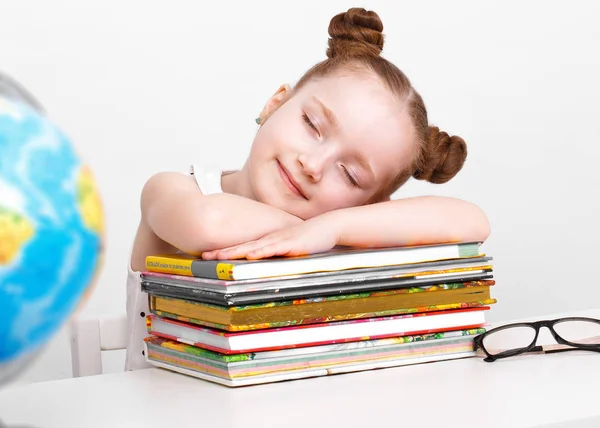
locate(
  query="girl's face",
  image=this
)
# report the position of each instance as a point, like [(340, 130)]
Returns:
[(333, 144)]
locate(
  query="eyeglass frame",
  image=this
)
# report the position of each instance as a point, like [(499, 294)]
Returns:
[(533, 347)]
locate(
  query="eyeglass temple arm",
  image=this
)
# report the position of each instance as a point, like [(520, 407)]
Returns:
[(594, 342), (550, 349)]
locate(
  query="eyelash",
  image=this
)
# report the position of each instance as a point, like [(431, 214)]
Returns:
[(309, 123), (352, 180), (314, 128)]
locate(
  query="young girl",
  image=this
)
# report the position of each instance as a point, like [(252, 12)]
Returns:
[(326, 158)]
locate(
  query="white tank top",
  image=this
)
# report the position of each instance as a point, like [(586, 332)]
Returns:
[(209, 182)]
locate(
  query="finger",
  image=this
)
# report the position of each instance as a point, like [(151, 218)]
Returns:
[(270, 239), (233, 247), (281, 248), (211, 255), (238, 252), (221, 252), (287, 247)]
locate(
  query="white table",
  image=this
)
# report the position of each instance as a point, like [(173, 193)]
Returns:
[(527, 391)]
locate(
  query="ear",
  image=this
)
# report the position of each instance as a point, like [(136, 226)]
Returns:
[(277, 100)]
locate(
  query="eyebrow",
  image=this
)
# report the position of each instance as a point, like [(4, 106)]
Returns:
[(329, 115)]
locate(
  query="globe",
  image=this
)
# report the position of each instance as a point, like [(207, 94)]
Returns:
[(51, 229)]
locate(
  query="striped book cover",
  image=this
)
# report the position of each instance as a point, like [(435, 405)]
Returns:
[(316, 334), (272, 366)]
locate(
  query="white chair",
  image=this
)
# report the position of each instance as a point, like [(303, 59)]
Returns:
[(90, 336)]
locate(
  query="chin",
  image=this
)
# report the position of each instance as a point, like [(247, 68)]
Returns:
[(270, 196), (286, 206)]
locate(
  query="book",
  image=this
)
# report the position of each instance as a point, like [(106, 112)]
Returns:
[(315, 279), (317, 284), (272, 366), (324, 309), (315, 334), (182, 368), (288, 323), (196, 292), (334, 260)]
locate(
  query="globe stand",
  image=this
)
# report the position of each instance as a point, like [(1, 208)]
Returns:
[(11, 370), (10, 88)]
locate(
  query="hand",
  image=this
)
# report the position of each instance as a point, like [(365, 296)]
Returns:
[(315, 235)]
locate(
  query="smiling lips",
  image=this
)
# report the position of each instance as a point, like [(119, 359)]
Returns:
[(288, 180)]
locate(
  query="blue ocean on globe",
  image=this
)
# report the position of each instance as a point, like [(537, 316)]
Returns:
[(51, 230)]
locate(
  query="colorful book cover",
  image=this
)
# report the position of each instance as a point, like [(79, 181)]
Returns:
[(326, 309), (316, 334), (307, 373), (310, 351), (333, 260), (255, 368), (369, 274), (223, 298)]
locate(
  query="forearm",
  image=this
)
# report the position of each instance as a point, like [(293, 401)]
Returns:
[(410, 221), (180, 215), (238, 220)]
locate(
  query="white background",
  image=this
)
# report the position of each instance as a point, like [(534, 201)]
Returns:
[(145, 86)]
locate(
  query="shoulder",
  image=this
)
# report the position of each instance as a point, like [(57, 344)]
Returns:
[(207, 177), (174, 180), (168, 183), (196, 179)]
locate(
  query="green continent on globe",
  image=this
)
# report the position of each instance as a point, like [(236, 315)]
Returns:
[(15, 230)]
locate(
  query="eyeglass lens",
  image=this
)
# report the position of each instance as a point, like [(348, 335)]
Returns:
[(579, 331), (518, 337)]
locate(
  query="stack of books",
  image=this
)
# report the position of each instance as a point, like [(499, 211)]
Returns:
[(244, 322)]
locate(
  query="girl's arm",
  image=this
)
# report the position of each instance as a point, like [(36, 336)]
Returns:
[(410, 221), (176, 215)]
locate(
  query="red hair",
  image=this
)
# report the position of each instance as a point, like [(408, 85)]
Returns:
[(355, 43)]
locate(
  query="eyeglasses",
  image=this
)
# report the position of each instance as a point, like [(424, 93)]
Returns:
[(571, 334)]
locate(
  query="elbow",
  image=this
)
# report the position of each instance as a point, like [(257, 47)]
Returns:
[(479, 226), (165, 195), (154, 187), (171, 208)]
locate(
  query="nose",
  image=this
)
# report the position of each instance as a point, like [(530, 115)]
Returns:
[(314, 162)]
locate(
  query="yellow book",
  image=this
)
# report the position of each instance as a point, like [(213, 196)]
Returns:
[(324, 309)]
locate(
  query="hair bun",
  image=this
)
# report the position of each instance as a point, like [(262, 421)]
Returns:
[(355, 33), (444, 157)]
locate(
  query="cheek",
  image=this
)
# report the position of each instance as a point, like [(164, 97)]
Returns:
[(336, 196), (260, 145), (264, 147), (284, 133)]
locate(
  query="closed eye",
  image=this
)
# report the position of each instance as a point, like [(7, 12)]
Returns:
[(350, 178), (309, 123)]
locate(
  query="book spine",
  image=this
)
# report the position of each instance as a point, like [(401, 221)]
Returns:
[(185, 267), (215, 270)]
